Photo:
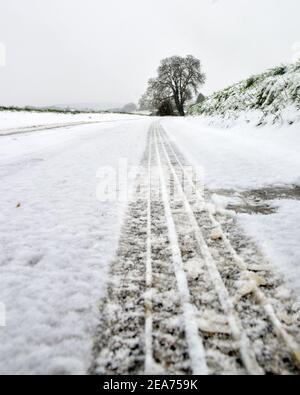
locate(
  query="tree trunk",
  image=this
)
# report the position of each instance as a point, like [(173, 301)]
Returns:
[(180, 107), (181, 110)]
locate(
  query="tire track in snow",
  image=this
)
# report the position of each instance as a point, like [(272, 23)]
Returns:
[(227, 306), (149, 362), (142, 298), (196, 349), (250, 279), (173, 304)]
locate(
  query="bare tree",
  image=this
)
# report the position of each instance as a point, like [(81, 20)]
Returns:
[(178, 80)]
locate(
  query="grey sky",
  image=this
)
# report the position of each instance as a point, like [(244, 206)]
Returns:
[(69, 51)]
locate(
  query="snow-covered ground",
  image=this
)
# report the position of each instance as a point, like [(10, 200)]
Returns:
[(57, 239), (239, 157), (246, 157), (10, 120), (279, 236)]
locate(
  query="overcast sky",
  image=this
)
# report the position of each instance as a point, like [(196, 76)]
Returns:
[(80, 51)]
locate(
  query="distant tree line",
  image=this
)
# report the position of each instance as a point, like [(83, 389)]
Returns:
[(47, 110)]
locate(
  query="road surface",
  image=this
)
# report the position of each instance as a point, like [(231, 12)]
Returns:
[(162, 285), (186, 297)]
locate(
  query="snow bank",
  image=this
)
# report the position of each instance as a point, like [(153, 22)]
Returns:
[(279, 236), (270, 97), (240, 157)]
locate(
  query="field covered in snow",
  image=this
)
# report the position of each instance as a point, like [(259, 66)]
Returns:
[(246, 158), (11, 121), (57, 239)]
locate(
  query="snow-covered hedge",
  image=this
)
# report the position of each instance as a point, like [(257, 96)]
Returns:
[(273, 96)]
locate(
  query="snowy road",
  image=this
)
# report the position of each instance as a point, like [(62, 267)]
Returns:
[(169, 284), (186, 297)]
